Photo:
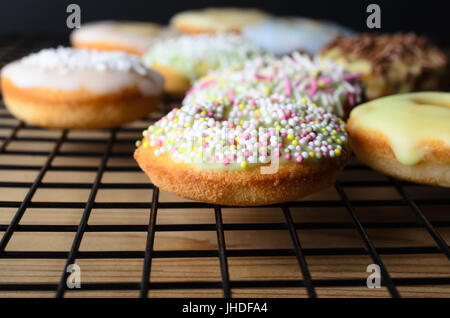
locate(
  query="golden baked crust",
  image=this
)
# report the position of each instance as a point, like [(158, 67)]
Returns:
[(242, 187), (78, 109), (175, 83), (106, 46), (372, 148)]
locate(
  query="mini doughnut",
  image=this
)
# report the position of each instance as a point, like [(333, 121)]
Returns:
[(406, 136), (214, 20), (298, 76), (216, 152), (130, 37), (184, 59), (391, 63), (286, 35), (70, 88)]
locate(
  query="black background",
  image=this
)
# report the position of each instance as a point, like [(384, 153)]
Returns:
[(44, 18)]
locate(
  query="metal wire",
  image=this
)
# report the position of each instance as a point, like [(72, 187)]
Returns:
[(146, 285)]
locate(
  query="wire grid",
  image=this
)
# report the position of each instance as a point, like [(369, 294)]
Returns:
[(10, 50)]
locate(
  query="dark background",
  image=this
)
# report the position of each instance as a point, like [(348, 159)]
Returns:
[(44, 18)]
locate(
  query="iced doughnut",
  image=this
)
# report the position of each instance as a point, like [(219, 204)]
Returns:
[(391, 63), (298, 76), (254, 151), (285, 35), (406, 136), (213, 20), (70, 88), (130, 37), (184, 59)]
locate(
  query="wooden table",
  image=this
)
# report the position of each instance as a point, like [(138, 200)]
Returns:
[(313, 229)]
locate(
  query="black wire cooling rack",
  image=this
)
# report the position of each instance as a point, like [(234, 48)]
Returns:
[(10, 50)]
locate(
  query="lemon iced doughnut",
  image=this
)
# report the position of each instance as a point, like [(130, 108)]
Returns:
[(406, 136), (70, 88), (256, 151), (298, 76), (130, 37), (213, 20), (391, 63), (184, 59)]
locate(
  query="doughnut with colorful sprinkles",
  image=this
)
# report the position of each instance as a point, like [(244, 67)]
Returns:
[(220, 152), (298, 76)]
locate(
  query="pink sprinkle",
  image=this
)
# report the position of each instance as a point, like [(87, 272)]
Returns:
[(247, 153), (214, 158), (299, 159), (231, 141), (288, 156), (324, 154), (246, 136), (231, 95), (205, 144), (225, 162), (351, 99), (283, 134), (283, 117), (263, 78), (349, 77), (280, 145), (313, 89), (326, 80), (232, 157), (270, 133), (159, 143), (287, 87)]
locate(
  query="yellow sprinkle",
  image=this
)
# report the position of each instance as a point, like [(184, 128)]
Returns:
[(202, 119), (138, 143), (339, 141), (257, 112), (290, 136), (313, 105), (337, 151), (311, 154), (203, 112), (295, 142), (242, 122), (181, 150), (244, 164), (241, 106), (278, 127), (144, 133), (315, 73), (267, 90), (175, 120), (146, 144), (192, 149), (304, 100), (233, 147)]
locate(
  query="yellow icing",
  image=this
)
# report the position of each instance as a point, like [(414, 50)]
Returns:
[(408, 121)]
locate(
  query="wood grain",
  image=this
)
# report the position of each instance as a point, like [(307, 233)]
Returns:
[(205, 269)]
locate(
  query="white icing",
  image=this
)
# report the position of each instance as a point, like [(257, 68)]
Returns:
[(70, 69)]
